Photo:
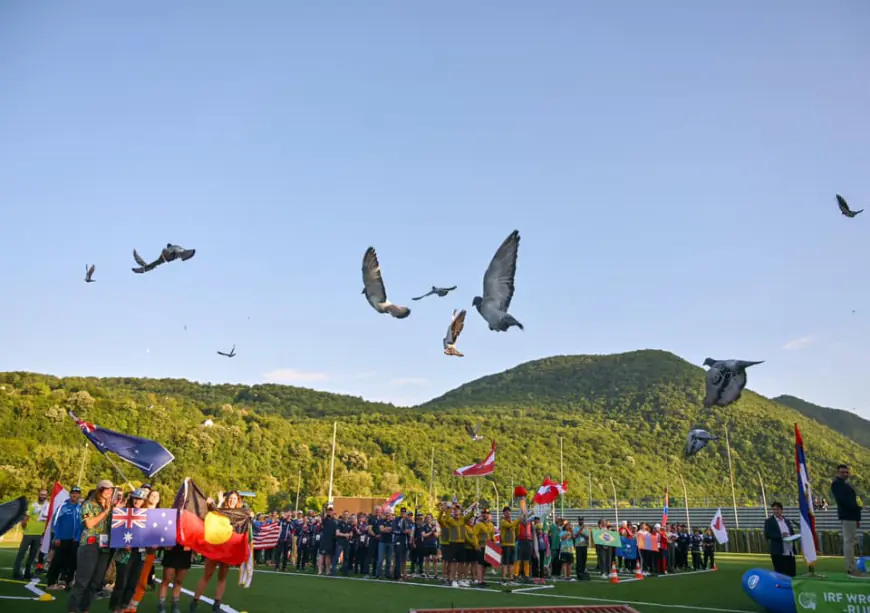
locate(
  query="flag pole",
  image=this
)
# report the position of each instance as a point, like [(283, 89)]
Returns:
[(82, 469), (615, 500), (686, 498), (332, 462), (763, 495), (731, 475), (123, 476), (561, 476), (590, 490), (432, 479), (477, 490), (298, 488)]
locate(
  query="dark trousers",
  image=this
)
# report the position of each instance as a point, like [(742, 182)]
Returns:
[(784, 564), (417, 558), (646, 557), (342, 547), (372, 557), (91, 564), (555, 563), (709, 558), (696, 560), (282, 552), (359, 555), (682, 557), (401, 555), (126, 578), (30, 544), (63, 564), (582, 557)]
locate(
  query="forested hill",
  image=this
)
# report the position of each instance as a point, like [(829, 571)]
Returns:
[(624, 416), (845, 422)]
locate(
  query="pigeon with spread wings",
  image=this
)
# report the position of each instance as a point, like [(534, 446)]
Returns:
[(453, 332), (374, 289), (89, 273), (844, 207), (438, 291), (498, 286), (697, 440), (473, 432), (168, 254), (231, 354), (725, 381)]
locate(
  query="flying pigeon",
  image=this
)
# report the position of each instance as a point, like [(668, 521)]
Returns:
[(439, 291), (472, 432), (168, 254), (725, 381), (453, 332), (374, 289), (231, 354), (89, 273), (498, 286), (844, 208), (698, 439)]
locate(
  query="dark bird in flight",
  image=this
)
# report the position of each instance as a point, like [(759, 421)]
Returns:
[(89, 273), (473, 432), (844, 208), (725, 381), (439, 291), (453, 332), (168, 254), (498, 286), (374, 289), (231, 354)]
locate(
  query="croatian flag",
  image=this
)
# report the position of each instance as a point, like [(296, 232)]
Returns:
[(395, 500), (481, 469), (665, 510), (805, 497)]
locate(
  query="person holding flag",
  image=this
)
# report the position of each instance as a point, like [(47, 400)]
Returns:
[(67, 532), (33, 527), (93, 553), (484, 532)]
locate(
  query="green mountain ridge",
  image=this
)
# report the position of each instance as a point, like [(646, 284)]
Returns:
[(622, 416), (845, 422)]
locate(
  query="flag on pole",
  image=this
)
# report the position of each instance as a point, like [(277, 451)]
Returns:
[(148, 456), (809, 540), (11, 514), (394, 501), (717, 525), (665, 509), (549, 491), (492, 554), (480, 469), (58, 496)]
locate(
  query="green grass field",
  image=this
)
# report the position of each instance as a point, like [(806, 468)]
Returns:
[(285, 592)]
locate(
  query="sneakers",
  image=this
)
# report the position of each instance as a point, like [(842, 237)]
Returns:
[(176, 608), (54, 587), (161, 606), (857, 574)]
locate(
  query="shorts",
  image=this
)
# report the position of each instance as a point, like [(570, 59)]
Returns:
[(470, 555), (567, 557), (455, 552), (508, 554), (177, 558), (429, 550), (481, 558), (525, 551)]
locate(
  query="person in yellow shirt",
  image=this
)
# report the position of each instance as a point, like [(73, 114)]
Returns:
[(33, 527), (453, 539), (508, 529), (469, 568), (484, 531)]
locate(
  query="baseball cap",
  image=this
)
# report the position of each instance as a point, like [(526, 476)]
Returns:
[(140, 493), (147, 486), (657, 526), (105, 484), (330, 508), (74, 489)]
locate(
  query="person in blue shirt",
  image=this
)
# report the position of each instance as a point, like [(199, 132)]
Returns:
[(66, 532)]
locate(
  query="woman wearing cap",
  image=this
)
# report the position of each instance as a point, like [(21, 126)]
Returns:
[(93, 554), (128, 563)]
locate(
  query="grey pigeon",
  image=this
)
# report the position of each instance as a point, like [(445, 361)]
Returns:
[(473, 432), (168, 254), (498, 286), (231, 354), (844, 208), (439, 291), (698, 439), (89, 273), (725, 381), (374, 289), (453, 332)]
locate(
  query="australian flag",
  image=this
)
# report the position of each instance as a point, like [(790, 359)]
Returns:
[(148, 456), (143, 528)]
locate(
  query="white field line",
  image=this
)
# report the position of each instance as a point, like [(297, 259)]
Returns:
[(205, 599)]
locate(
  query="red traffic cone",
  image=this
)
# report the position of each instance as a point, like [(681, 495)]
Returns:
[(614, 576), (715, 567), (638, 573)]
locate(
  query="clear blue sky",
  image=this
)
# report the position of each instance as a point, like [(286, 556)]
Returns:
[(671, 167)]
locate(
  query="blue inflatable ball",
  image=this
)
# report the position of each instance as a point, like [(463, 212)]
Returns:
[(864, 564), (769, 590)]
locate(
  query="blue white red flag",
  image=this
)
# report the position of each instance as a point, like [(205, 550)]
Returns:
[(143, 528), (395, 500), (809, 541), (148, 456)]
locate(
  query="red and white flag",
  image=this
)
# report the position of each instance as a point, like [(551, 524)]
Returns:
[(268, 535), (717, 525), (549, 491), (57, 497), (478, 470), (492, 554)]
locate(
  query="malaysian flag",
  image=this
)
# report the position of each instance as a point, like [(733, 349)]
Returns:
[(805, 497), (143, 528), (268, 535)]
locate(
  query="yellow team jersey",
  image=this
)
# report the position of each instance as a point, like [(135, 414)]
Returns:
[(470, 540), (509, 531), (454, 528), (484, 531)]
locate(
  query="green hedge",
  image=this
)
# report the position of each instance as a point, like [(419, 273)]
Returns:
[(753, 541)]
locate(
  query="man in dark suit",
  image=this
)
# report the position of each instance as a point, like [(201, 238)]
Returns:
[(776, 529)]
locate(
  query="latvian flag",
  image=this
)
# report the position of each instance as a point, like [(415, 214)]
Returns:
[(492, 554), (478, 470), (268, 535)]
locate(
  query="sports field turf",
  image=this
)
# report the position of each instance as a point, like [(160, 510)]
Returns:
[(718, 591)]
